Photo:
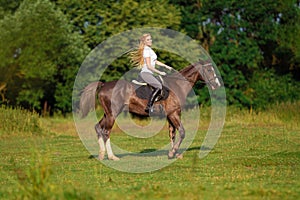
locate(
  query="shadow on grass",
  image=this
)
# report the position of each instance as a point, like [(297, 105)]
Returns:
[(155, 152), (143, 153), (205, 148)]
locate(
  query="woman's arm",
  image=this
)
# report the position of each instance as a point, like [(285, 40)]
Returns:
[(148, 63), (163, 65)]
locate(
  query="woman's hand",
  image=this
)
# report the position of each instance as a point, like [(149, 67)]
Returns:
[(163, 73), (168, 67)]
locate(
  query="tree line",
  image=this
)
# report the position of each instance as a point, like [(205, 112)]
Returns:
[(255, 45)]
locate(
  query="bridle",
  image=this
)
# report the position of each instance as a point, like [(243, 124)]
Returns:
[(208, 67)]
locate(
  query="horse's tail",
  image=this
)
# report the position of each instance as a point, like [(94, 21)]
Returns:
[(88, 98)]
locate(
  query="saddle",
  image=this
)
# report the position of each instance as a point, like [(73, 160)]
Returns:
[(144, 90)]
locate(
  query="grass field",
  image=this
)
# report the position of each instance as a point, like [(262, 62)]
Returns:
[(256, 157)]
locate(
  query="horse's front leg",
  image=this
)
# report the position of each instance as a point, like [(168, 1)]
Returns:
[(172, 134), (173, 151)]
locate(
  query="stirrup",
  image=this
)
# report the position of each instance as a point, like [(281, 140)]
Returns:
[(149, 109), (152, 99)]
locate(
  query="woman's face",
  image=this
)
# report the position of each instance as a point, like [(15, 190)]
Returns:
[(148, 41)]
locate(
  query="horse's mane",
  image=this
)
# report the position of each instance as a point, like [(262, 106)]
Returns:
[(190, 69), (182, 72), (186, 69)]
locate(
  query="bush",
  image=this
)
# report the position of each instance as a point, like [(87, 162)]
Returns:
[(18, 120), (268, 88)]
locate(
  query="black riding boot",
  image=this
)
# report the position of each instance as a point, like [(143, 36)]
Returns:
[(152, 98)]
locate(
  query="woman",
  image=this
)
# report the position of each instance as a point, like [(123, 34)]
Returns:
[(146, 59)]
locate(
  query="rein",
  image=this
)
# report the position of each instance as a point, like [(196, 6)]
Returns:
[(180, 78), (194, 67)]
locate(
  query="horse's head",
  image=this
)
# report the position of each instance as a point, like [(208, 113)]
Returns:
[(208, 74)]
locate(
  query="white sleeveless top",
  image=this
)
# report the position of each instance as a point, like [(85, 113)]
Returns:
[(148, 52)]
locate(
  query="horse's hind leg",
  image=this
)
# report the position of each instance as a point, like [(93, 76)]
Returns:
[(99, 131), (172, 133), (103, 129), (110, 153)]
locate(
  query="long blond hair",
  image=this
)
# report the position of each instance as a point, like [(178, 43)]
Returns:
[(136, 56)]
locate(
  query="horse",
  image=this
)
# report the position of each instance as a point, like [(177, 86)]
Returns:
[(119, 95)]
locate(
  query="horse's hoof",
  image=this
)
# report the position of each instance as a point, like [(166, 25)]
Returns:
[(101, 156), (170, 155), (179, 156), (114, 158)]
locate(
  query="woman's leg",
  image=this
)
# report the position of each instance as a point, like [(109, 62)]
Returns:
[(151, 80)]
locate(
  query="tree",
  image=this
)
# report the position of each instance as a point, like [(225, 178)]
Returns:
[(8, 7), (245, 37), (97, 20), (43, 43), (286, 55), (37, 49)]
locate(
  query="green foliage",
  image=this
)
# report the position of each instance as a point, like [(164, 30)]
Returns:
[(244, 37), (268, 88), (287, 54), (37, 46), (17, 121), (43, 43), (98, 20), (8, 6)]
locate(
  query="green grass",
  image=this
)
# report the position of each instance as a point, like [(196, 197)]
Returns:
[(256, 157)]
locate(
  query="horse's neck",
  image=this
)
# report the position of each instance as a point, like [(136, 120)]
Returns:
[(191, 74), (183, 82)]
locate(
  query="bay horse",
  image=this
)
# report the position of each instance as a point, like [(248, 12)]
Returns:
[(114, 96)]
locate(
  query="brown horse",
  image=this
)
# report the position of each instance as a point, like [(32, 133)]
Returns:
[(115, 96)]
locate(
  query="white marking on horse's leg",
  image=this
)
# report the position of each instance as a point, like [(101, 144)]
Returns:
[(102, 148), (110, 153), (108, 147)]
